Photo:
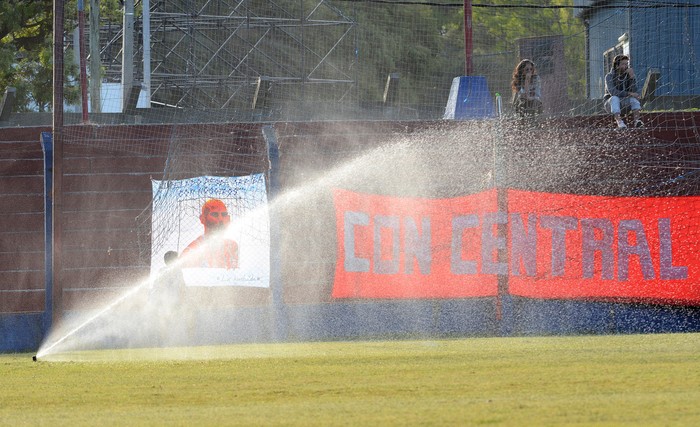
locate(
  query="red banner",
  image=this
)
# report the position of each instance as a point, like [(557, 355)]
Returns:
[(557, 246), (390, 247), (566, 246)]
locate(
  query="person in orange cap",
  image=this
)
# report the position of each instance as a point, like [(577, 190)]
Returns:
[(211, 249)]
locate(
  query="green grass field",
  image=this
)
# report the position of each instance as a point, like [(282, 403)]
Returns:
[(590, 380)]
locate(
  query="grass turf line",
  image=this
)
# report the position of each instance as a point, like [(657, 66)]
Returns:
[(601, 380)]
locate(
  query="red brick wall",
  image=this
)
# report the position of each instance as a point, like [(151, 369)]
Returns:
[(107, 185), (21, 221), (107, 173)]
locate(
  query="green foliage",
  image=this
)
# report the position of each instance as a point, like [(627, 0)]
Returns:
[(589, 380), (25, 34), (110, 10), (497, 31), (423, 43), (26, 51), (416, 41)]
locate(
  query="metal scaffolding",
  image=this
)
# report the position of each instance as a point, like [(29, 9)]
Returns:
[(240, 54)]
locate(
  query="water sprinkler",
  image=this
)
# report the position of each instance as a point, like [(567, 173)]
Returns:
[(34, 358), (499, 106)]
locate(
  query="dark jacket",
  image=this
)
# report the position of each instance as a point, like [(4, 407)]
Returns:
[(619, 85)]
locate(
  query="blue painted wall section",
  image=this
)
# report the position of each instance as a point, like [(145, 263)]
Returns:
[(276, 281), (469, 99), (47, 146), (662, 38), (21, 332)]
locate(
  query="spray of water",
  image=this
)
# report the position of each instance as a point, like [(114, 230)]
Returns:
[(149, 313), (140, 318), (438, 163), (49, 346)]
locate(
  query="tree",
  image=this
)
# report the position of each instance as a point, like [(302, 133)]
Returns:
[(25, 51), (496, 31), (424, 42)]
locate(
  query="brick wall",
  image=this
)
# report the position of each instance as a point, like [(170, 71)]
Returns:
[(107, 185), (21, 221)]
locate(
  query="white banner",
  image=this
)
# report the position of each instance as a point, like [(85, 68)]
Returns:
[(219, 227)]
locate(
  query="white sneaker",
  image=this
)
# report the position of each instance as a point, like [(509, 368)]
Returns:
[(621, 123)]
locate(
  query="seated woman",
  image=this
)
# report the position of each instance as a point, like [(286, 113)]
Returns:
[(526, 88), (621, 91)]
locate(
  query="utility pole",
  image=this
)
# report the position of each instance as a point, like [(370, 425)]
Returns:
[(146, 5), (127, 52), (95, 63), (468, 45), (83, 65), (57, 211)]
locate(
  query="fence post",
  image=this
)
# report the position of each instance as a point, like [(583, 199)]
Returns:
[(47, 146), (276, 284)]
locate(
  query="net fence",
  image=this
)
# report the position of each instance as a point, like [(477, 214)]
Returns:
[(195, 63), (203, 76), (202, 164), (225, 60)]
